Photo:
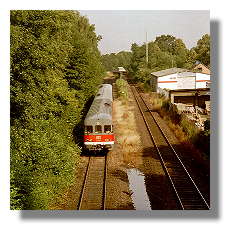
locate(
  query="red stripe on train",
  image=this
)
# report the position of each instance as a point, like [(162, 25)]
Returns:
[(98, 138)]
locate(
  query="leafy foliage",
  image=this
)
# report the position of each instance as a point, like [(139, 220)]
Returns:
[(165, 52), (55, 68), (112, 61), (203, 50), (122, 87)]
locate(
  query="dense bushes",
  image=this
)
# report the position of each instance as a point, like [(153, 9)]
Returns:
[(184, 129), (122, 87), (55, 68), (113, 61), (203, 139)]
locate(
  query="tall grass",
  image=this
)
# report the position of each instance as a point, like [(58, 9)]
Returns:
[(145, 86), (184, 129), (122, 87), (126, 133), (189, 128)]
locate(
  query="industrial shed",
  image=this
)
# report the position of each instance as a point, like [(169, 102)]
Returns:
[(196, 97), (165, 79), (120, 71), (178, 78)]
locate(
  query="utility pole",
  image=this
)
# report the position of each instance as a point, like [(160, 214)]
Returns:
[(147, 56)]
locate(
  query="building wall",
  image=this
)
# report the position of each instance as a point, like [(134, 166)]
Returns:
[(174, 81), (168, 82), (202, 80), (203, 68), (186, 82), (200, 101)]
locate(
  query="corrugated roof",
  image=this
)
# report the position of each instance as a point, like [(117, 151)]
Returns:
[(105, 92), (99, 109), (168, 72), (186, 74)]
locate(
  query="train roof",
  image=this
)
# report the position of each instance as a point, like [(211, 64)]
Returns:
[(101, 107), (99, 110), (105, 92)]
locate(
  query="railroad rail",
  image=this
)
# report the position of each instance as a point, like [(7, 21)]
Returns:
[(93, 194), (186, 191), (115, 92)]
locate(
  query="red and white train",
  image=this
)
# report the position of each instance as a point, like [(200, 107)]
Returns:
[(98, 122)]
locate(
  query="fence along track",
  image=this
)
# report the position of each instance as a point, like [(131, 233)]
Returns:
[(94, 185), (186, 191)]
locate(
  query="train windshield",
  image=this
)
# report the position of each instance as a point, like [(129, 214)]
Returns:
[(89, 129), (107, 129), (98, 129)]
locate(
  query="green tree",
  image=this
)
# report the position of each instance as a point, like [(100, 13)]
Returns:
[(203, 50), (191, 59), (173, 46), (120, 59), (48, 48)]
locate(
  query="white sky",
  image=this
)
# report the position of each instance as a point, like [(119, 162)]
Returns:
[(119, 29)]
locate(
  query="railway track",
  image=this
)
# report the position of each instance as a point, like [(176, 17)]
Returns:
[(186, 191), (115, 92), (93, 192), (94, 184)]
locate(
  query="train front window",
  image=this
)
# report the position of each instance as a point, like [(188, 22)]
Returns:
[(107, 128), (88, 129), (98, 129)]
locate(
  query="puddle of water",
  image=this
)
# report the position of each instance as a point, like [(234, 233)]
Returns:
[(137, 187)]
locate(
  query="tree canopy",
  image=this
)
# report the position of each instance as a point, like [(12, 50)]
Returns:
[(55, 69), (120, 59), (203, 50), (166, 51)]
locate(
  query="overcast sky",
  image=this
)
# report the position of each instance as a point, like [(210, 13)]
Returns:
[(119, 29)]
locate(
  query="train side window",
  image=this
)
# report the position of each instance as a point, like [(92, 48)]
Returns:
[(107, 128), (89, 129), (98, 129)]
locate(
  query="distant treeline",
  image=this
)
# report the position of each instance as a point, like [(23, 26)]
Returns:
[(55, 69), (165, 52)]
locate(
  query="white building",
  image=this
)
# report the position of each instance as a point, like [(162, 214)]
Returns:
[(203, 80), (121, 69), (177, 78)]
